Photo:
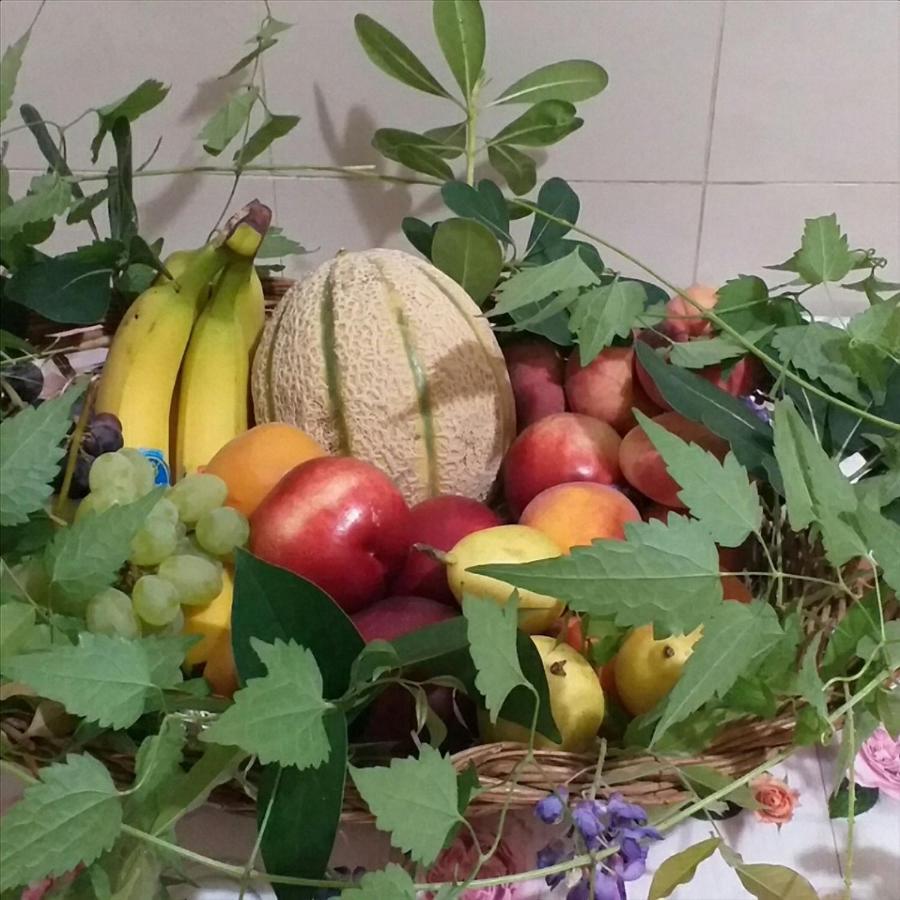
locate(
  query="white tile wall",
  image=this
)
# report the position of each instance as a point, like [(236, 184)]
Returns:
[(725, 124)]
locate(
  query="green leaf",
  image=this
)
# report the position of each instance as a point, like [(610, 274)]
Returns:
[(157, 763), (451, 137), (820, 350), (745, 304), (544, 124), (389, 883), (271, 603), (883, 538), (85, 557), (862, 620), (588, 252), (459, 27), (558, 199), (699, 354), (74, 288), (730, 638), (766, 882), (604, 313), (279, 718), (809, 683), (839, 802), (549, 310), (10, 64), (262, 44), (104, 679), (468, 252), (873, 287), (269, 28), (680, 868), (82, 210), (705, 781), (228, 120), (420, 234), (814, 487), (392, 142), (30, 452), (16, 628), (392, 56), (824, 254), (878, 326), (534, 284), (71, 816), (696, 399), (484, 204), (123, 223), (147, 95), (516, 167), (413, 799), (719, 494), (752, 695), (275, 244), (887, 705), (572, 80), (274, 127), (492, 643), (48, 196), (667, 574)]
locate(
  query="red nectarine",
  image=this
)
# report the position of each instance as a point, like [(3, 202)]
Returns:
[(536, 370)]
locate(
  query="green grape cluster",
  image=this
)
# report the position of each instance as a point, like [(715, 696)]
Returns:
[(177, 555)]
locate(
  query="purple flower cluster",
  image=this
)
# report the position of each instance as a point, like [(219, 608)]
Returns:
[(597, 826)]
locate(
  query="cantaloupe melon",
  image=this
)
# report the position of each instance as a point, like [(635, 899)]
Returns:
[(379, 355)]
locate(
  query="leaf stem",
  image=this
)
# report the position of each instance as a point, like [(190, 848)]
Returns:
[(75, 447), (471, 137)]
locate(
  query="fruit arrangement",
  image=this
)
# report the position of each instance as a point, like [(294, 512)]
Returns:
[(435, 521)]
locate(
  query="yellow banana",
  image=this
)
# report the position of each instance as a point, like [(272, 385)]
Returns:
[(139, 375), (212, 395), (176, 264)]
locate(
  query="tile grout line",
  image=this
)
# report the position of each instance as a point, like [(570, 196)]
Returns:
[(713, 96)]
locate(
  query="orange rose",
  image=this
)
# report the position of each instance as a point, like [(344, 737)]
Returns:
[(776, 800)]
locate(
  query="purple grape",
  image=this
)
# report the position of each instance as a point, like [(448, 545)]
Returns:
[(103, 435), (79, 487), (26, 379)]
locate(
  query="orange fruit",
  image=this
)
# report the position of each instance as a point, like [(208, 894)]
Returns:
[(254, 462)]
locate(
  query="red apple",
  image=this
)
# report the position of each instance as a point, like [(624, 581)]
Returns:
[(339, 522), (560, 448), (439, 522), (388, 619), (536, 370)]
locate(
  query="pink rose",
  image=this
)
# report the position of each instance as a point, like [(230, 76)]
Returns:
[(776, 800), (877, 764), (458, 862)]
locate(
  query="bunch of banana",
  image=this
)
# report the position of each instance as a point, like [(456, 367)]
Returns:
[(176, 329)]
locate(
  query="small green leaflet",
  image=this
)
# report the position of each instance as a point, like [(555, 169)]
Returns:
[(887, 706), (158, 761), (705, 781), (883, 538), (16, 626), (262, 44), (10, 64), (278, 717), (415, 800), (484, 204), (30, 452), (228, 120), (48, 196), (420, 159), (269, 28), (809, 683), (604, 313), (680, 868), (839, 801), (275, 244), (572, 80), (392, 56), (557, 199), (104, 679), (820, 350), (71, 816), (390, 883), (274, 127), (492, 645), (667, 574), (85, 557), (767, 882), (390, 142), (824, 254), (862, 620), (879, 326), (143, 98), (543, 124), (534, 284), (469, 253), (730, 639), (701, 353), (719, 494), (516, 167), (459, 26)]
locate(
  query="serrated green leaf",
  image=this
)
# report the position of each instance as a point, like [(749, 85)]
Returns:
[(48, 196), (883, 538), (30, 452), (415, 800), (71, 816), (680, 868), (667, 574), (766, 882), (228, 120), (862, 620), (157, 762), (484, 204), (85, 557), (262, 44), (389, 883), (824, 254), (278, 717), (469, 253), (572, 80), (516, 167), (274, 127), (27, 539), (809, 684), (544, 124), (719, 494), (534, 284), (698, 354), (873, 287), (10, 63), (878, 326), (820, 350), (492, 643), (459, 27), (545, 312), (604, 313), (393, 57), (16, 627), (590, 255), (106, 680), (752, 695), (887, 705), (730, 639), (276, 244), (147, 95)]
